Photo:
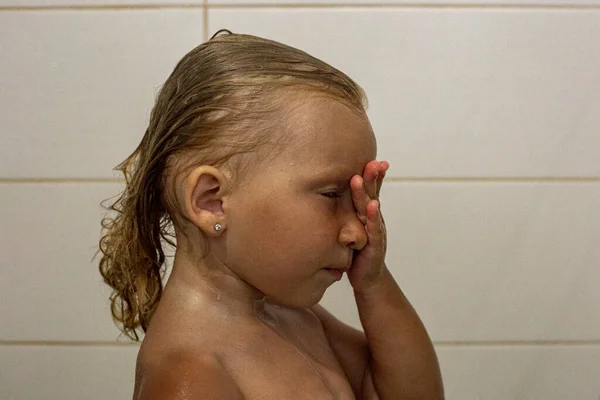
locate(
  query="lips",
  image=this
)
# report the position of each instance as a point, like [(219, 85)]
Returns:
[(335, 272), (341, 269)]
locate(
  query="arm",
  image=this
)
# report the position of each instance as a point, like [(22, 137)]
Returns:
[(402, 362), (415, 371)]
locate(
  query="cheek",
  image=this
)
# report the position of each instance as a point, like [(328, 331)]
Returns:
[(282, 229), (278, 248), (287, 226)]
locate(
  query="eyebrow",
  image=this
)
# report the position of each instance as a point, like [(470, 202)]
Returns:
[(333, 173)]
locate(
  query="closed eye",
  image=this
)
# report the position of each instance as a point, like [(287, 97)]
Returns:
[(332, 195)]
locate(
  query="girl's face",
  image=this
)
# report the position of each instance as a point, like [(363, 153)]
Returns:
[(296, 216)]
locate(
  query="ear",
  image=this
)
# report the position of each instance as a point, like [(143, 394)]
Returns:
[(205, 194)]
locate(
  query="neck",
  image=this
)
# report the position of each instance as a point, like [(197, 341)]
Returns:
[(210, 282)]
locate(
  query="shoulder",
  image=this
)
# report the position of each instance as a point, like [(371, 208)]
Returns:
[(336, 329), (182, 375)]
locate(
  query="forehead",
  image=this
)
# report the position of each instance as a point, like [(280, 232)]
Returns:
[(325, 133)]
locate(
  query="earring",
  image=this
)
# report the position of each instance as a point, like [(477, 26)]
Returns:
[(218, 227)]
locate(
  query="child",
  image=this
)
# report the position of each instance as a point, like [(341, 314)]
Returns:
[(260, 158)]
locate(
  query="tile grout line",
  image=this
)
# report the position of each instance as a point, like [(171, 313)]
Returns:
[(515, 343), (98, 7), (67, 343), (432, 179), (205, 20), (59, 180), (250, 5), (414, 5), (571, 179)]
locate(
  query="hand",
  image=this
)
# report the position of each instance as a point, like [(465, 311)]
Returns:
[(368, 263)]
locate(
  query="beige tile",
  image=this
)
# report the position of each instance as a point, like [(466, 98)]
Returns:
[(67, 372), (77, 86), (521, 372), (460, 92)]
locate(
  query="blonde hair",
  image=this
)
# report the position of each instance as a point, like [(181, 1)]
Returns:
[(218, 102)]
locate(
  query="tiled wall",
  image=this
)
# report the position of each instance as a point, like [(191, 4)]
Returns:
[(489, 112)]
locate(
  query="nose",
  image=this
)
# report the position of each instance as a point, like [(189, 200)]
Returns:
[(352, 233)]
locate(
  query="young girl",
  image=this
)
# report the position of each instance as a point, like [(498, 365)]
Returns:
[(260, 161)]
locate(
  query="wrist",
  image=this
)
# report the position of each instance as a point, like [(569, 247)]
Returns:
[(375, 285)]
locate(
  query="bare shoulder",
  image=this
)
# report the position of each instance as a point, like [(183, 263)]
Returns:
[(336, 329), (185, 376)]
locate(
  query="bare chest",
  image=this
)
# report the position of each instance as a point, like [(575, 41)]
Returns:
[(281, 366)]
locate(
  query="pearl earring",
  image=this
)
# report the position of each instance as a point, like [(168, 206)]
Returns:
[(218, 227)]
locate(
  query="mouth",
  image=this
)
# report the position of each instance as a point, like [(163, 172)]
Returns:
[(336, 273)]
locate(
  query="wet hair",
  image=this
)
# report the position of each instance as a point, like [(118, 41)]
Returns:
[(223, 101)]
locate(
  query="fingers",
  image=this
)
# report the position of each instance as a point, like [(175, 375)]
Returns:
[(375, 227), (366, 188), (370, 176), (369, 262), (359, 197), (384, 167), (373, 175)]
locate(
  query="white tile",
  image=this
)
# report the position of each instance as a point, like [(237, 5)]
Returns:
[(498, 261), (77, 86), (478, 261), (51, 289), (521, 372), (460, 92), (67, 373), (493, 261), (374, 3)]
